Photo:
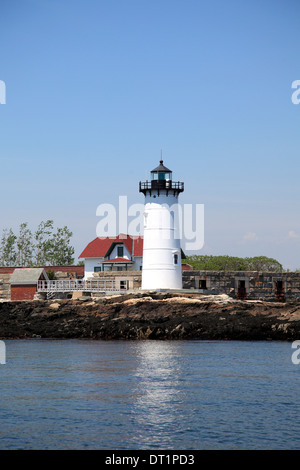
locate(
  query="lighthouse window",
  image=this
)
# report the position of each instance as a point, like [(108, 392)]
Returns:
[(145, 219), (175, 258)]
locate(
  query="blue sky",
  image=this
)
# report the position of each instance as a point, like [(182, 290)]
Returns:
[(96, 88)]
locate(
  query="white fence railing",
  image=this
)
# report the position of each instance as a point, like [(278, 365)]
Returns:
[(69, 285)]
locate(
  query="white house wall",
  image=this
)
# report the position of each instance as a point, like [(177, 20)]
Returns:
[(89, 266), (91, 263), (138, 263)]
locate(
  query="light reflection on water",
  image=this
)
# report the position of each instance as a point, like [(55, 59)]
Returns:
[(159, 397), (82, 394)]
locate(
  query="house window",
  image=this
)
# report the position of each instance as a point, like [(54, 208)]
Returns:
[(202, 284), (175, 258), (97, 269), (120, 250), (123, 285)]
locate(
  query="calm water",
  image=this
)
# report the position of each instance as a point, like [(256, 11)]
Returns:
[(81, 394)]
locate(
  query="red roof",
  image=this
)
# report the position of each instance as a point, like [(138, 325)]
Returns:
[(186, 267), (100, 247), (118, 260)]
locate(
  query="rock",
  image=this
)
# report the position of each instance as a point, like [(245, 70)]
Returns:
[(54, 306), (77, 294), (39, 296), (151, 316)]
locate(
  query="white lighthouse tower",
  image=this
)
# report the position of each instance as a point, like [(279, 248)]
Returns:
[(161, 249)]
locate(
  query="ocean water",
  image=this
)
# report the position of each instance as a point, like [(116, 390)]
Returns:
[(85, 394)]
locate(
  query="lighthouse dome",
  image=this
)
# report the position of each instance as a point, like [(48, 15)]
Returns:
[(161, 167), (161, 180), (161, 172)]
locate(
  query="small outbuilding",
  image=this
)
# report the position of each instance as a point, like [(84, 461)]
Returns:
[(24, 282)]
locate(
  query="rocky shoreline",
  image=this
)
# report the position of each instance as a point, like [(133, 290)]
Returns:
[(154, 317)]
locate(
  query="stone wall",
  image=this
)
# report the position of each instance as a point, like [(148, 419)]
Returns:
[(131, 279), (245, 284), (249, 285), (4, 286)]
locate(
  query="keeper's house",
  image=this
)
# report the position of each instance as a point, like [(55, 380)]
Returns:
[(122, 253)]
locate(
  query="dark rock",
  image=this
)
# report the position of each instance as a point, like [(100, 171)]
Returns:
[(155, 316)]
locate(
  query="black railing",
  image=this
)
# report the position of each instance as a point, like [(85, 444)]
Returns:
[(168, 185)]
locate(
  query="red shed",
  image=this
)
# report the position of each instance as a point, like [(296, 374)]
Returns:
[(24, 282)]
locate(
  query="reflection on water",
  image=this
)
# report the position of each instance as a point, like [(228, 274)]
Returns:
[(82, 394), (158, 396)]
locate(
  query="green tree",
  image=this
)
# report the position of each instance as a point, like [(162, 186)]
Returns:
[(262, 263), (233, 263), (43, 244), (24, 246), (61, 251), (8, 254), (43, 248), (216, 263), (51, 275)]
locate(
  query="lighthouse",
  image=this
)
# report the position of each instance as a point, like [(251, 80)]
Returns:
[(161, 248)]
